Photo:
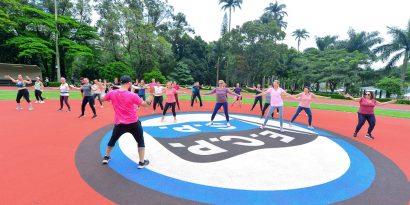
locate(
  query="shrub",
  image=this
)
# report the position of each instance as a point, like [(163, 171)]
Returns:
[(116, 70)]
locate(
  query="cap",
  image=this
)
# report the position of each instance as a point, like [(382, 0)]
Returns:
[(125, 79)]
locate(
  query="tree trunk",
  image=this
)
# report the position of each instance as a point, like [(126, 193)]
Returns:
[(404, 68), (230, 18)]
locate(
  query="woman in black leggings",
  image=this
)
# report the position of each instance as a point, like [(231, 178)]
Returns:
[(87, 99), (22, 90), (258, 90)]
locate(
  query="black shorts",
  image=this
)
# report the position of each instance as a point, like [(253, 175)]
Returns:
[(135, 129)]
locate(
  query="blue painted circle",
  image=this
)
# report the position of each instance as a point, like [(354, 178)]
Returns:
[(355, 181)]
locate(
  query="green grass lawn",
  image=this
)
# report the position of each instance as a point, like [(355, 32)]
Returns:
[(54, 95)]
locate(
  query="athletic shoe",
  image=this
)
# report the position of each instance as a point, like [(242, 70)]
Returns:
[(262, 127), (106, 160), (290, 124), (143, 164), (311, 127), (30, 108), (355, 134), (36, 101), (281, 130), (94, 116), (42, 102), (19, 108), (81, 116), (103, 106), (61, 109), (69, 110), (210, 123), (369, 136), (228, 124)]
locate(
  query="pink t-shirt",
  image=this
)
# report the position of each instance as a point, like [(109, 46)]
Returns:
[(125, 106), (366, 107), (176, 87), (276, 97), (171, 95), (305, 100)]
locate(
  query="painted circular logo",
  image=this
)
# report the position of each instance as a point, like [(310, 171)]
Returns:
[(191, 162)]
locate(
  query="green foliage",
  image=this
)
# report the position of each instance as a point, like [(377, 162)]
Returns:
[(390, 85), (54, 84), (182, 74), (31, 46), (154, 74), (116, 70)]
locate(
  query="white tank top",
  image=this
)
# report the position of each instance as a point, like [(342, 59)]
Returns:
[(64, 90)]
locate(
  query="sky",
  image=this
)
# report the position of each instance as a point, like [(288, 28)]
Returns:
[(318, 17)]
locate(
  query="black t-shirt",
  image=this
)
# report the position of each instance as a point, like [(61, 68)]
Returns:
[(116, 86)]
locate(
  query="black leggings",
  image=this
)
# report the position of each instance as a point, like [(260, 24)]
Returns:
[(158, 100), (38, 93), (265, 107), (89, 100), (65, 100), (98, 95), (167, 105), (135, 129), (362, 118), (259, 98), (23, 93), (194, 96)]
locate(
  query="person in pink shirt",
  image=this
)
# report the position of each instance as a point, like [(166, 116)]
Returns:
[(305, 98), (275, 102), (366, 112), (125, 105), (176, 87), (171, 94)]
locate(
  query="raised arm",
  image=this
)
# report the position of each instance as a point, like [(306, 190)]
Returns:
[(75, 87), (10, 78), (385, 103), (28, 80)]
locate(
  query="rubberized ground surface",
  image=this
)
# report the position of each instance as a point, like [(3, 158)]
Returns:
[(37, 158)]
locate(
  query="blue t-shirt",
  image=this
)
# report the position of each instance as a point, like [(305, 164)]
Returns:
[(196, 89), (141, 91)]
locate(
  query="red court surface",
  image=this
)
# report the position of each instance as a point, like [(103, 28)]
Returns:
[(38, 153)]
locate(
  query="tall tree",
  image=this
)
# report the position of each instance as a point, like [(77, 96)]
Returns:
[(224, 27), (361, 41), (82, 11), (229, 5), (276, 12), (300, 34), (398, 48)]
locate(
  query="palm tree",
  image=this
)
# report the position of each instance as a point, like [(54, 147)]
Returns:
[(300, 34), (360, 41), (326, 42), (230, 4), (276, 12), (399, 48)]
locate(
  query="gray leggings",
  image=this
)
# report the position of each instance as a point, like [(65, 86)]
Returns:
[(271, 109)]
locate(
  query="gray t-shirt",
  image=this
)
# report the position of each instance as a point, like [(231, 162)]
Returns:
[(87, 90), (268, 98)]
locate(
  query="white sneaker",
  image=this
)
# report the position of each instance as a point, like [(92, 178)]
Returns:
[(19, 108), (228, 124), (102, 106), (281, 129), (36, 101), (30, 108), (262, 127), (290, 124), (42, 102), (210, 123), (311, 127)]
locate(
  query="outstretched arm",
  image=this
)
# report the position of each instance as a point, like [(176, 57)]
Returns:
[(352, 98), (320, 97), (210, 93), (148, 102), (385, 103), (10, 78)]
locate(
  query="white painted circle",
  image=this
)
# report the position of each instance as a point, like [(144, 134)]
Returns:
[(311, 164)]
